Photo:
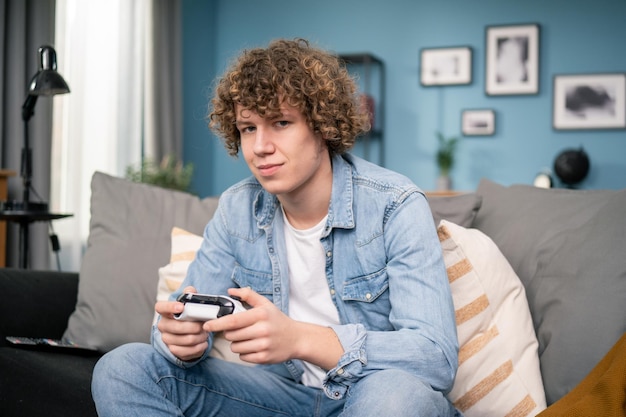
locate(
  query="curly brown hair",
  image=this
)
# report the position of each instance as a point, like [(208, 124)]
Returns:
[(309, 79)]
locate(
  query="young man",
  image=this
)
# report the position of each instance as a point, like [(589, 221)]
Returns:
[(351, 312)]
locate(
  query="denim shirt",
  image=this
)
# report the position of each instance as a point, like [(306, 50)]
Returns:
[(384, 268)]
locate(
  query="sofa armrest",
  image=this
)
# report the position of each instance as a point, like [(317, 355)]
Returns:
[(36, 303)]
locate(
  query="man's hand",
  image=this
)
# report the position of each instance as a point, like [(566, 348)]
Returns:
[(264, 334), (187, 340)]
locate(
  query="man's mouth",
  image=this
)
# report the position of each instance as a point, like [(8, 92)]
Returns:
[(268, 169)]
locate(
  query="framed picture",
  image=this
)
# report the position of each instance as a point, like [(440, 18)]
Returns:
[(478, 122), (589, 101), (446, 66), (512, 54)]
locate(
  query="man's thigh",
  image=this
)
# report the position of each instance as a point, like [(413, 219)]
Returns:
[(237, 390), (137, 380)]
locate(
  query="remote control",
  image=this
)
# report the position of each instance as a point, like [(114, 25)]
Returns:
[(204, 307), (47, 344)]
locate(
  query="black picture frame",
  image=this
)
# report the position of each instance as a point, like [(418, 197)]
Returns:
[(589, 101), (512, 59), (445, 66), (478, 122)]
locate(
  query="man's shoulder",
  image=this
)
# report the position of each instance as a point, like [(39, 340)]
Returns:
[(247, 185), (240, 194), (369, 174), (247, 198)]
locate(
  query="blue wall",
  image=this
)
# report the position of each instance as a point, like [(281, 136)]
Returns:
[(577, 36)]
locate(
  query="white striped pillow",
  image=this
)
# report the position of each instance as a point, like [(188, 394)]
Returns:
[(184, 247), (498, 372)]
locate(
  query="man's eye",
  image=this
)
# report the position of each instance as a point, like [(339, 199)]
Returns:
[(282, 123), (247, 129)]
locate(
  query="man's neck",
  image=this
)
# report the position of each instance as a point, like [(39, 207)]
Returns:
[(308, 207)]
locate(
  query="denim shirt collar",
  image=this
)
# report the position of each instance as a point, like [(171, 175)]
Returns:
[(340, 211)]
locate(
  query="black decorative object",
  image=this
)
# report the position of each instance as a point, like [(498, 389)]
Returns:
[(572, 166)]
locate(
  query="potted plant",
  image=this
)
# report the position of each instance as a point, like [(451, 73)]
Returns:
[(445, 160), (170, 173)]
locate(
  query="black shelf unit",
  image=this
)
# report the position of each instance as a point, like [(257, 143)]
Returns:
[(373, 77)]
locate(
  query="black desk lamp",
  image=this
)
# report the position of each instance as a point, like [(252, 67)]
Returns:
[(47, 82)]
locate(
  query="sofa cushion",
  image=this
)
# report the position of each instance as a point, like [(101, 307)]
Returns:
[(117, 292), (567, 246), (458, 209), (51, 297), (498, 370), (44, 384)]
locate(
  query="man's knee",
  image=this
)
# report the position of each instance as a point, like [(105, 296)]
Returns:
[(398, 393), (120, 363)]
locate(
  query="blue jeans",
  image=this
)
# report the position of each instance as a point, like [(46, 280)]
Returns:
[(135, 380)]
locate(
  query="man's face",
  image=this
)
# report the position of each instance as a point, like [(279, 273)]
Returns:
[(284, 154)]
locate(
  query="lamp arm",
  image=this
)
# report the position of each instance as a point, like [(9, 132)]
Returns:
[(28, 108)]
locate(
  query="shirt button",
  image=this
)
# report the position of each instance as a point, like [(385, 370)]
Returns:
[(332, 291), (277, 289), (329, 254), (368, 296), (340, 371), (336, 394)]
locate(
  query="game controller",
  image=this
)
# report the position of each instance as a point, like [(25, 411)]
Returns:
[(204, 307)]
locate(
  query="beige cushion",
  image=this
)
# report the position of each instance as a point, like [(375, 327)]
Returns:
[(184, 247), (498, 361)]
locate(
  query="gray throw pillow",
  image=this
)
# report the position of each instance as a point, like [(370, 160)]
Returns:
[(458, 209), (129, 240), (567, 247)]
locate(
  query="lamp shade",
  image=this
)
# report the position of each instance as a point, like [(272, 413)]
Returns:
[(47, 81)]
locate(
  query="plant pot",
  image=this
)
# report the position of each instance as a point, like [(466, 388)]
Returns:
[(444, 183)]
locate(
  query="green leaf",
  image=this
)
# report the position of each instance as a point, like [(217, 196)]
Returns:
[(170, 173)]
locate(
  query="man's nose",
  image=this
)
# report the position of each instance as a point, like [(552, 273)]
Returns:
[(263, 141)]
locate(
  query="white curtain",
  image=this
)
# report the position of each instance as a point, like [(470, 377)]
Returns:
[(106, 52)]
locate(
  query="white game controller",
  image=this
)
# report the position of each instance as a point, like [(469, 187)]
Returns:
[(204, 307)]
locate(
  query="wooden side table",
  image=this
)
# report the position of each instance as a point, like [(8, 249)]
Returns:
[(4, 192), (446, 193)]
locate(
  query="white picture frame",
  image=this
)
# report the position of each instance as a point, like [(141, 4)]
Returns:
[(512, 60), (446, 66), (478, 122), (589, 101)]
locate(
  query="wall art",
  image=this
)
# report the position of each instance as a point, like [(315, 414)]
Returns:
[(446, 66), (478, 122), (589, 101), (512, 60)]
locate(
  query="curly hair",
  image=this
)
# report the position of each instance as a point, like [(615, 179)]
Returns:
[(313, 81)]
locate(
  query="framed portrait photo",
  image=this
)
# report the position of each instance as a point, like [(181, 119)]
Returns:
[(478, 122), (512, 60), (446, 66), (589, 101)]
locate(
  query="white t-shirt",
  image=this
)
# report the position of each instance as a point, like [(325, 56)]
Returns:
[(309, 296)]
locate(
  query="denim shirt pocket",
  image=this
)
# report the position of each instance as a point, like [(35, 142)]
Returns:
[(368, 298), (260, 282)]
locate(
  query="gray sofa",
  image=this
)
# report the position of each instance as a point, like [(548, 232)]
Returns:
[(567, 248)]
